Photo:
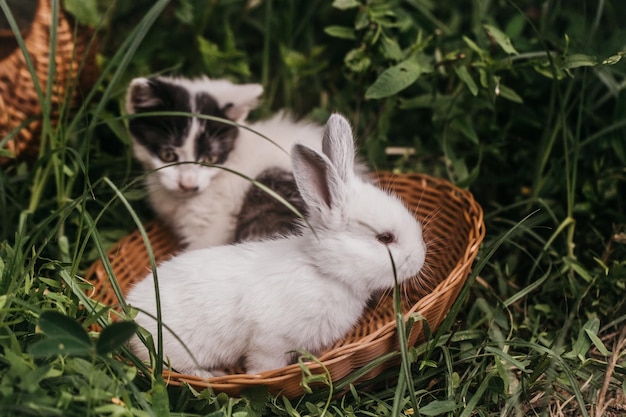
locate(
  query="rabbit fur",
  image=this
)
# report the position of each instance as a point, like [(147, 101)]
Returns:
[(261, 301)]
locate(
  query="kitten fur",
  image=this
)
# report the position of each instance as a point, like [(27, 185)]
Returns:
[(201, 203), (262, 216)]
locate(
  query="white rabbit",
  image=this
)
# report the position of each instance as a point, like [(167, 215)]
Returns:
[(261, 301)]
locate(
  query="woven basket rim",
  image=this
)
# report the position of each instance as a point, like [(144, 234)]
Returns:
[(286, 379)]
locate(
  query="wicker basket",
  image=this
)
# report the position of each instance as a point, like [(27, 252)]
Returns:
[(18, 98), (453, 230)]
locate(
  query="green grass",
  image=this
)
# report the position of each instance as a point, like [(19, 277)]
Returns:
[(535, 128)]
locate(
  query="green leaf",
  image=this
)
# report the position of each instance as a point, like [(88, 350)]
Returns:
[(160, 399), (55, 324), (593, 336), (580, 348), (51, 283), (85, 11), (184, 12), (516, 25), (464, 75), (5, 153), (427, 363), (208, 49), (19, 365), (390, 49), (215, 59), (579, 60), (30, 381), (345, 4), (61, 345), (357, 60), (501, 39), (506, 358), (111, 410), (438, 407), (289, 408), (362, 19), (545, 69), (64, 243), (64, 336), (473, 46), (342, 32), (509, 94), (469, 178), (464, 126), (614, 59), (578, 269), (397, 78), (583, 342), (114, 336), (256, 397)]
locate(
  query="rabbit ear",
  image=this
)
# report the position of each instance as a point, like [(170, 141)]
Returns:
[(338, 145), (317, 179)]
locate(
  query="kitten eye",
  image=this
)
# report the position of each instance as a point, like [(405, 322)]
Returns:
[(168, 155), (209, 159), (386, 238)]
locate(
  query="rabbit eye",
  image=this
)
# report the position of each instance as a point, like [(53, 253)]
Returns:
[(168, 155), (386, 238)]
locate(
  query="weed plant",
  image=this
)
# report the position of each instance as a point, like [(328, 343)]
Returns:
[(522, 102)]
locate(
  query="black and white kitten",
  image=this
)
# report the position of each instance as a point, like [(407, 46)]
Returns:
[(202, 203)]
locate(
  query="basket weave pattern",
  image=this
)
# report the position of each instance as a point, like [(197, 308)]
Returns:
[(18, 97), (453, 230)]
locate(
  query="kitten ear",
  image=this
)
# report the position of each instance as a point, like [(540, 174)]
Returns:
[(140, 95), (245, 98)]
